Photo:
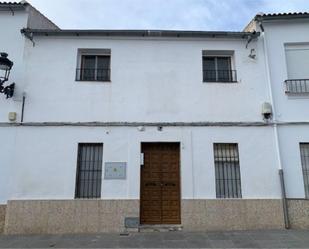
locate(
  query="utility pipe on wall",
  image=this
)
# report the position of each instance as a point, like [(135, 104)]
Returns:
[(277, 143), (284, 201), (23, 107)]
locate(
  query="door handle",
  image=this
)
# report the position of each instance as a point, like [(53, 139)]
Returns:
[(166, 184), (153, 184), (169, 184)]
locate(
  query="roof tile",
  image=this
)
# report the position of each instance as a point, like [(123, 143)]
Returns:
[(12, 3), (286, 14)]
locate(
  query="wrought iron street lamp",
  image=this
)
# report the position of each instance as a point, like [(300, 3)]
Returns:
[(5, 68)]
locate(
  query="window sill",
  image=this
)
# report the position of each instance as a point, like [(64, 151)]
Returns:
[(221, 82), (93, 81), (229, 198), (291, 95), (297, 93), (87, 198)]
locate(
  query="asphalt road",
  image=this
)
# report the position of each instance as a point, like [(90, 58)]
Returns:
[(240, 239)]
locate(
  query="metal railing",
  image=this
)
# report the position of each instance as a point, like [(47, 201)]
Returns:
[(91, 74), (297, 86), (219, 75)]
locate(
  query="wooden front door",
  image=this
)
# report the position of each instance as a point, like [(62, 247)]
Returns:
[(160, 184)]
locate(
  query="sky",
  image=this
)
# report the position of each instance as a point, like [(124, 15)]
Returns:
[(232, 15)]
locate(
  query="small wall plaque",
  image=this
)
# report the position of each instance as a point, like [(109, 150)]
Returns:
[(115, 170)]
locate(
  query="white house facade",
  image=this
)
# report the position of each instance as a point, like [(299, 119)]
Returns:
[(110, 130), (286, 47)]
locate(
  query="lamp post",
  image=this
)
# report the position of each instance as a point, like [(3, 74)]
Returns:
[(5, 68)]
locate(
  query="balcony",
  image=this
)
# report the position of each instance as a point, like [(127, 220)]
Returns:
[(225, 76), (297, 86), (90, 74)]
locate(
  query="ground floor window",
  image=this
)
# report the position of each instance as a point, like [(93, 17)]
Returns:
[(89, 170), (304, 153), (227, 169)]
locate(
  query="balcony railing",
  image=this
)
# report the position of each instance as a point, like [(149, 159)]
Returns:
[(220, 76), (90, 74), (297, 86)]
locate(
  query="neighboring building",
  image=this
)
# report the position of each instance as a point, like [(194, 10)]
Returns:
[(163, 127), (286, 45), (286, 40), (14, 17)]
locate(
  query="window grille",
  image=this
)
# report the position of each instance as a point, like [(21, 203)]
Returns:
[(218, 69), (89, 171), (304, 153), (227, 170), (94, 68), (300, 86)]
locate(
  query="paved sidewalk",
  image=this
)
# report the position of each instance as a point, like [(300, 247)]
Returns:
[(241, 239)]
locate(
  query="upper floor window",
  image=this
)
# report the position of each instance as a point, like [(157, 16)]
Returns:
[(218, 68), (297, 60), (93, 65)]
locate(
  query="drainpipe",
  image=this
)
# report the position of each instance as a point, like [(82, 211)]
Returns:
[(277, 143), (193, 171), (284, 200), (23, 107)]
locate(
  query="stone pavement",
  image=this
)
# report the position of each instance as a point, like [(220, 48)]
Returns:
[(239, 239)]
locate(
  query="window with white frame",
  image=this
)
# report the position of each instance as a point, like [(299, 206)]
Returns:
[(93, 65), (218, 66), (297, 61), (304, 153), (227, 170)]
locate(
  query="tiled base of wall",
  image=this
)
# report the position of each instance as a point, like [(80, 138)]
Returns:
[(68, 216), (99, 216), (2, 217), (299, 213), (206, 215)]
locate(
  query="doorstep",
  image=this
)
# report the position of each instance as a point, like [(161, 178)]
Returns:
[(159, 228)]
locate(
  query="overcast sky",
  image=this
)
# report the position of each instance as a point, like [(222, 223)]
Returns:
[(161, 14)]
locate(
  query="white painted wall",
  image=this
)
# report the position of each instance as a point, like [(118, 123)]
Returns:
[(288, 108), (13, 43), (151, 80), (43, 162), (7, 155), (290, 137)]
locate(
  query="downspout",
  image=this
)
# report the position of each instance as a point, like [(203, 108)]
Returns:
[(277, 143), (23, 107), (193, 171)]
